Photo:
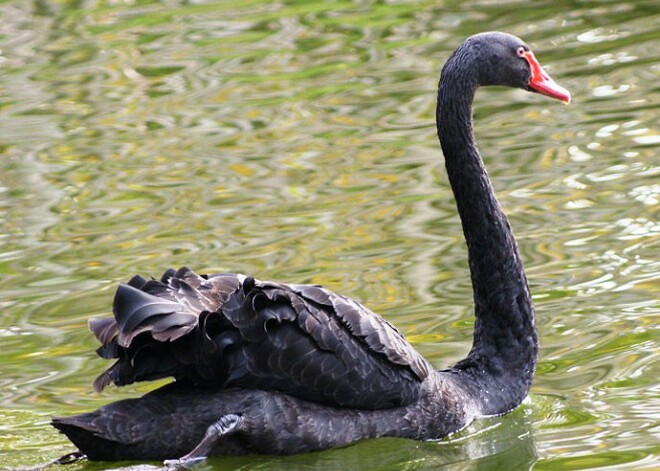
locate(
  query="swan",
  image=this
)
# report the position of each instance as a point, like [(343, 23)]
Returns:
[(269, 368)]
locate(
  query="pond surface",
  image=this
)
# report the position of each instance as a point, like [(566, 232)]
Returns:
[(295, 141)]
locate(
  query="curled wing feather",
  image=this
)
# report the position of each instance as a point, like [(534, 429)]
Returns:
[(227, 330)]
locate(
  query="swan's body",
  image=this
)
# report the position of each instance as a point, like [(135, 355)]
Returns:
[(263, 367)]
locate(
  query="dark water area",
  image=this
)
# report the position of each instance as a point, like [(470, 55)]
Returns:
[(295, 141)]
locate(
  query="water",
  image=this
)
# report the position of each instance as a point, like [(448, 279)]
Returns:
[(295, 141)]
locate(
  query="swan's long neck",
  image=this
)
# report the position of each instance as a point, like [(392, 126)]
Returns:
[(500, 367)]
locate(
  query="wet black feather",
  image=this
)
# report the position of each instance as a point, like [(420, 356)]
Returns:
[(234, 331)]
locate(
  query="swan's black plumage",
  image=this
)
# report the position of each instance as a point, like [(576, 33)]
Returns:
[(227, 330), (263, 367)]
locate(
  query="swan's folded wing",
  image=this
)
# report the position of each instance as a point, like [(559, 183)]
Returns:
[(223, 331), (377, 332)]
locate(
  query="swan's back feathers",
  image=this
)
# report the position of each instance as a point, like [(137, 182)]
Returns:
[(228, 330)]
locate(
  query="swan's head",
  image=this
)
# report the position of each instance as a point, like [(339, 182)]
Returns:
[(503, 59)]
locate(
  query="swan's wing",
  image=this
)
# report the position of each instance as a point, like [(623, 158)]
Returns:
[(231, 331)]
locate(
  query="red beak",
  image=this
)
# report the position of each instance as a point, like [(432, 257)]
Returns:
[(543, 83)]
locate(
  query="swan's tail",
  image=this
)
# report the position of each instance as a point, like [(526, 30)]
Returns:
[(161, 425), (80, 431)]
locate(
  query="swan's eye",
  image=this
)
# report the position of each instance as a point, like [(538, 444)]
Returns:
[(521, 51)]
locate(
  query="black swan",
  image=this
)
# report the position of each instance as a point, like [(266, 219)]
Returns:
[(263, 367)]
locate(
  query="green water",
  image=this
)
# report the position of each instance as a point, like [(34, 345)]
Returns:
[(294, 140)]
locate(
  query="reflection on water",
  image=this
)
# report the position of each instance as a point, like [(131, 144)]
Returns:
[(295, 141)]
